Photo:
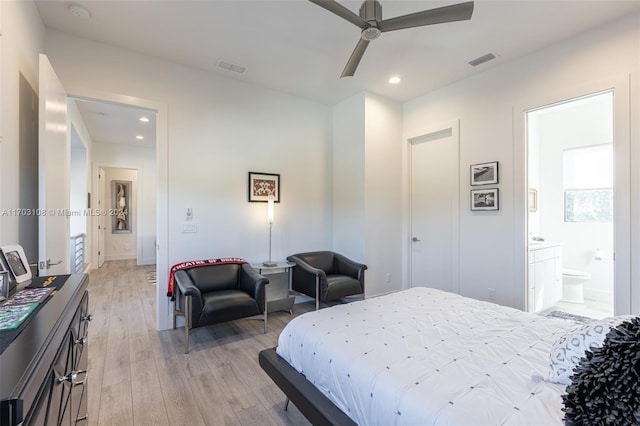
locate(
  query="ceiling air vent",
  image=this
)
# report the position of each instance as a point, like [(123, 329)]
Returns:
[(482, 59), (231, 67)]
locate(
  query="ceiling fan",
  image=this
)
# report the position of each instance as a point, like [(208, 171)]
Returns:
[(372, 25)]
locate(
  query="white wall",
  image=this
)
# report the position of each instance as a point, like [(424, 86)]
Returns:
[(79, 189), (367, 200), (349, 227), (22, 41), (383, 195), (492, 245), (218, 130), (143, 160), (80, 177)]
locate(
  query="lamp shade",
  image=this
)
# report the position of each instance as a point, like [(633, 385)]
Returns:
[(270, 203)]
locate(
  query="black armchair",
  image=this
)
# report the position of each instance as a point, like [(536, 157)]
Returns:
[(326, 276), (212, 294)]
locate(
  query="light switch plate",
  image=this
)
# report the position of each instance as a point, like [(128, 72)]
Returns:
[(189, 227)]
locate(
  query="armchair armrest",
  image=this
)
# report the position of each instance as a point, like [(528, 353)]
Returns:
[(304, 266), (349, 267), (253, 283), (188, 289)]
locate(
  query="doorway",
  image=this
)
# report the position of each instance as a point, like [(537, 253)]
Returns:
[(435, 209), (570, 221), (123, 150)]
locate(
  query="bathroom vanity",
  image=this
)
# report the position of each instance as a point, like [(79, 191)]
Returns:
[(545, 275)]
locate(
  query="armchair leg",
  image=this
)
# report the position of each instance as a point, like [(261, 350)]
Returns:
[(317, 293), (187, 322), (286, 405), (265, 321)]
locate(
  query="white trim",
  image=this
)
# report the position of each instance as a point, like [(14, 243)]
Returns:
[(620, 84)]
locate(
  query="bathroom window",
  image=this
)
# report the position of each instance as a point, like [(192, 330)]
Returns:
[(588, 184)]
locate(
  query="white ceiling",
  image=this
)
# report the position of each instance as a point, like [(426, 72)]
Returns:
[(297, 47), (116, 123)]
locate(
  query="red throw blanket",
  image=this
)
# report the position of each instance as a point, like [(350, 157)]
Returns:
[(194, 264)]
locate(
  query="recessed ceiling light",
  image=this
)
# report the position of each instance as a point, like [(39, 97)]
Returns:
[(79, 11), (144, 119), (139, 137), (394, 80)]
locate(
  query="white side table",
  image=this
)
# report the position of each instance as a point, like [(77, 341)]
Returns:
[(278, 295)]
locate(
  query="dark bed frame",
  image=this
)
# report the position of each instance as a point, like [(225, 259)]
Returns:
[(316, 407)]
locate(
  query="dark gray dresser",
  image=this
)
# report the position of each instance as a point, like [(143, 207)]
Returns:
[(43, 372)]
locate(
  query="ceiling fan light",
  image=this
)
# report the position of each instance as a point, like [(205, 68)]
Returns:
[(370, 33)]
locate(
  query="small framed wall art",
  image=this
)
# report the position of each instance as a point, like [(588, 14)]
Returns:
[(262, 185), (484, 199), (484, 174), (121, 201)]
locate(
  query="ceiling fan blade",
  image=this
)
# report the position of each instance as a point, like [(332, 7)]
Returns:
[(338, 9), (455, 12), (355, 58)]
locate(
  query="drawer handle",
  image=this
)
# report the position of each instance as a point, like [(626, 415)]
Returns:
[(83, 418), (81, 341), (70, 378), (73, 378), (87, 317)]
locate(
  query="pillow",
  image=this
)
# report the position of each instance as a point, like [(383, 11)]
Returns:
[(570, 348), (605, 387)]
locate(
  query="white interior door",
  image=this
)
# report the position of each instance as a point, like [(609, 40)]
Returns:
[(54, 164), (102, 221), (434, 209)]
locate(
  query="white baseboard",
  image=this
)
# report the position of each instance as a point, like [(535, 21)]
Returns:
[(123, 256)]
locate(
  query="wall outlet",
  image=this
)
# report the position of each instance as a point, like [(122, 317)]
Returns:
[(491, 294), (189, 227), (388, 277)]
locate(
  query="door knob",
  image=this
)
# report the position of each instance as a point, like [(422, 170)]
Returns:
[(415, 239), (50, 263)]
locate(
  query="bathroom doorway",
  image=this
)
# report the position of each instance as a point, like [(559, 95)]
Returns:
[(570, 221)]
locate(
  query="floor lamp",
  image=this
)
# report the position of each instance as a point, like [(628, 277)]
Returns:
[(270, 205)]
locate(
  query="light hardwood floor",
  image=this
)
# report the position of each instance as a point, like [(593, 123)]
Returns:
[(140, 376)]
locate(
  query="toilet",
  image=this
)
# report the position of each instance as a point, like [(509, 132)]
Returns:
[(573, 285)]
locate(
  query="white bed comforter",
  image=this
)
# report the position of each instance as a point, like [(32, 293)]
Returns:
[(427, 357)]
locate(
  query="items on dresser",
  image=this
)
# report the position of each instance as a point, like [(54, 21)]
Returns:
[(43, 370), (18, 307)]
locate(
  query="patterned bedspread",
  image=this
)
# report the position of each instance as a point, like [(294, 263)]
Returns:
[(427, 357)]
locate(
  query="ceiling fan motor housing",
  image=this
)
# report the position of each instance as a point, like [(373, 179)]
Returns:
[(371, 11)]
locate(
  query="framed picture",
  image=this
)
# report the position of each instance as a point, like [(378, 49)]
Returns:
[(484, 174), (533, 200), (16, 261), (262, 185), (5, 285), (484, 199), (121, 207)]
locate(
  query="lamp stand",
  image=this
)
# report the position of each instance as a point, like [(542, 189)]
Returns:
[(269, 263)]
